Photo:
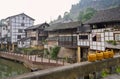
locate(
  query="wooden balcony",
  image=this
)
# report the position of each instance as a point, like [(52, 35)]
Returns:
[(43, 34), (117, 46), (68, 44), (67, 41)]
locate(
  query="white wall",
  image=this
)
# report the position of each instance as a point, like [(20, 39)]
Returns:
[(83, 42), (15, 24), (25, 43), (97, 45)]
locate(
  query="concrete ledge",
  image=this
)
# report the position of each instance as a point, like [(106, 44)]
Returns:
[(71, 71)]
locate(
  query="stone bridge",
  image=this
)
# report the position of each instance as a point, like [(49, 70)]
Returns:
[(33, 62), (74, 71)]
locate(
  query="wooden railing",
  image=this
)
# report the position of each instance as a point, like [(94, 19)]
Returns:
[(33, 60)]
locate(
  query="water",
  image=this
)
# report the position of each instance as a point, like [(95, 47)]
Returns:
[(9, 68)]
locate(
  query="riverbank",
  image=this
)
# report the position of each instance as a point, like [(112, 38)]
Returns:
[(10, 68)]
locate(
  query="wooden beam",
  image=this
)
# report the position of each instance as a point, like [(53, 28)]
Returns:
[(78, 54)]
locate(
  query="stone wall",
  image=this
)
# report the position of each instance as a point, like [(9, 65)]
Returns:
[(67, 52), (75, 71)]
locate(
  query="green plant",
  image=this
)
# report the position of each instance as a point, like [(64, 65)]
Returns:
[(46, 53), (54, 52), (113, 42), (118, 69), (3, 49), (105, 73)]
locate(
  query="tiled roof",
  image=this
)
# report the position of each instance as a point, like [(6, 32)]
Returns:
[(20, 14), (59, 26), (37, 26), (23, 39), (84, 29), (109, 15)]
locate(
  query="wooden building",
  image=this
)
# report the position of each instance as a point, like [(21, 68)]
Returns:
[(66, 38), (24, 43), (105, 32), (13, 29), (83, 42), (37, 34)]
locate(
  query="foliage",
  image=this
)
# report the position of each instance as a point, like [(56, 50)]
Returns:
[(30, 51), (118, 69), (3, 49), (86, 15), (113, 42), (46, 53), (59, 17), (54, 52), (17, 50), (66, 16), (105, 73), (96, 4)]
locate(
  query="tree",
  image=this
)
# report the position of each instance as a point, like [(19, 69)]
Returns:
[(59, 17), (66, 16), (86, 15), (54, 52)]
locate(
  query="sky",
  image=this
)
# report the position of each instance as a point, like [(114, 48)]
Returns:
[(40, 10)]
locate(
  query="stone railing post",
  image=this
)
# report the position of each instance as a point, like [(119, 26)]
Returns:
[(112, 70), (98, 75)]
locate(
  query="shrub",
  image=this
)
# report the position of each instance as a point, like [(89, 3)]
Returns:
[(54, 52), (105, 73), (118, 69), (113, 42)]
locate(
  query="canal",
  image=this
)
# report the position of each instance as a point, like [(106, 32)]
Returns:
[(10, 68)]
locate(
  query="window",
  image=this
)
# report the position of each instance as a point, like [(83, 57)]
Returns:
[(117, 37), (8, 30), (84, 37), (33, 38), (97, 38), (20, 30), (3, 28), (22, 24), (34, 29), (19, 37), (22, 42), (23, 18)]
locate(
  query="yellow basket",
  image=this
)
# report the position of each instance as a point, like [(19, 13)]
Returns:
[(91, 57), (111, 54), (99, 56), (106, 54)]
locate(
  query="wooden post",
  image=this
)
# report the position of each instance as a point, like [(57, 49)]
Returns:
[(35, 58), (1, 45), (13, 46), (57, 61), (63, 61), (9, 47), (78, 54), (49, 60), (41, 59)]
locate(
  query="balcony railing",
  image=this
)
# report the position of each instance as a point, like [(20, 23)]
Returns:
[(108, 45)]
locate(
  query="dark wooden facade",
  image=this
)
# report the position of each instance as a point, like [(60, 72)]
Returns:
[(67, 38), (37, 34)]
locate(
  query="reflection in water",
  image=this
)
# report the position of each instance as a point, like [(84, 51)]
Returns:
[(10, 68)]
